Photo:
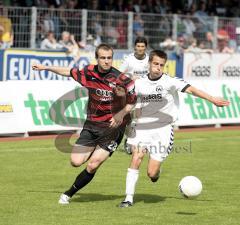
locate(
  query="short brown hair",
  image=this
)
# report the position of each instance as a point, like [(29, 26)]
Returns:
[(141, 40), (159, 53), (104, 47)]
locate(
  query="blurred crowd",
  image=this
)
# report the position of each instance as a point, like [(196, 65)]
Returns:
[(212, 7), (60, 29)]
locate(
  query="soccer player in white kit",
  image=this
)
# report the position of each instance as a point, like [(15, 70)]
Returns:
[(136, 63), (136, 66), (156, 111)]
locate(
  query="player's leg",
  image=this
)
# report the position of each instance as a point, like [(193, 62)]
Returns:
[(132, 175), (81, 152), (79, 155), (108, 142), (159, 150), (153, 170), (96, 159)]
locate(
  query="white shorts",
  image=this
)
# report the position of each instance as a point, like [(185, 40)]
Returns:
[(158, 142)]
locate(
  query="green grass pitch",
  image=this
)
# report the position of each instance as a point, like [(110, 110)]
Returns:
[(34, 174)]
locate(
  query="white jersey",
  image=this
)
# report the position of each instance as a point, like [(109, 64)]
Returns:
[(158, 100), (134, 66)]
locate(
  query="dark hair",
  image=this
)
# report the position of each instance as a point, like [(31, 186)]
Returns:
[(104, 47), (141, 40), (159, 53)]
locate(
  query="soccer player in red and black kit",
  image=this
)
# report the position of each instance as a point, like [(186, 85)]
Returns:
[(111, 98)]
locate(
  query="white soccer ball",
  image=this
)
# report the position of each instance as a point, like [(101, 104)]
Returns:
[(190, 186)]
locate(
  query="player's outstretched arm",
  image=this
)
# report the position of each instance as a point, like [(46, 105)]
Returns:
[(64, 71), (201, 94)]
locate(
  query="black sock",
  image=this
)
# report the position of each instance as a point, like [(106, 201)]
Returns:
[(82, 180)]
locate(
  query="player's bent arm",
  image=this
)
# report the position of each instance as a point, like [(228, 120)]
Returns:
[(127, 109), (64, 71), (118, 117), (201, 94)]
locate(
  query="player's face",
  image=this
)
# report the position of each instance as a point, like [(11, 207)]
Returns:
[(104, 60), (140, 49), (156, 66)]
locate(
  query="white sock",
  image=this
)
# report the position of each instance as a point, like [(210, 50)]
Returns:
[(131, 180)]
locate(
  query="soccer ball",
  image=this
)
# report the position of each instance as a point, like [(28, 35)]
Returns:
[(190, 187)]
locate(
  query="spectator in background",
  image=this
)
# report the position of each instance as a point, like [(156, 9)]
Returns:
[(6, 32), (129, 7), (54, 15), (202, 10), (195, 48), (71, 18), (235, 8), (138, 26), (164, 28), (230, 27), (148, 7), (119, 7), (203, 23), (168, 44), (84, 5), (94, 5), (181, 45), (48, 24), (110, 6), (137, 6), (122, 31), (190, 27), (222, 42), (50, 42), (88, 44), (97, 29), (110, 33), (160, 7), (208, 43), (68, 44)]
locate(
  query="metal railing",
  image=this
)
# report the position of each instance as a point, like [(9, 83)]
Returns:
[(30, 26)]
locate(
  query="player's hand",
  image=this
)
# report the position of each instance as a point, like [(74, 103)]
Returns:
[(116, 120), (220, 102), (38, 67), (120, 91), (135, 77)]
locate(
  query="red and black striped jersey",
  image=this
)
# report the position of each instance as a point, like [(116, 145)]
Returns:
[(103, 102)]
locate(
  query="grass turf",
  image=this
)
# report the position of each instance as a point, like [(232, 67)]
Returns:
[(34, 174)]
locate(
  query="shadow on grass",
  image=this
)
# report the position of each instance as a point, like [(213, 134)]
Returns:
[(149, 198), (138, 197), (92, 197), (186, 213)]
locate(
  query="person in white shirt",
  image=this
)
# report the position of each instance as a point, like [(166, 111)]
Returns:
[(136, 63), (50, 43), (156, 112)]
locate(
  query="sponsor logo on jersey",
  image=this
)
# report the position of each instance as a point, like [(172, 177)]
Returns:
[(152, 98), (104, 94), (159, 88), (141, 73)]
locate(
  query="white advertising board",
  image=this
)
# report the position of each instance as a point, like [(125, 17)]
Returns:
[(211, 66), (196, 111), (29, 106), (32, 100)]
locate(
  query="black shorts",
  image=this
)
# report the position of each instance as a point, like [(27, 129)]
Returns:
[(107, 138)]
